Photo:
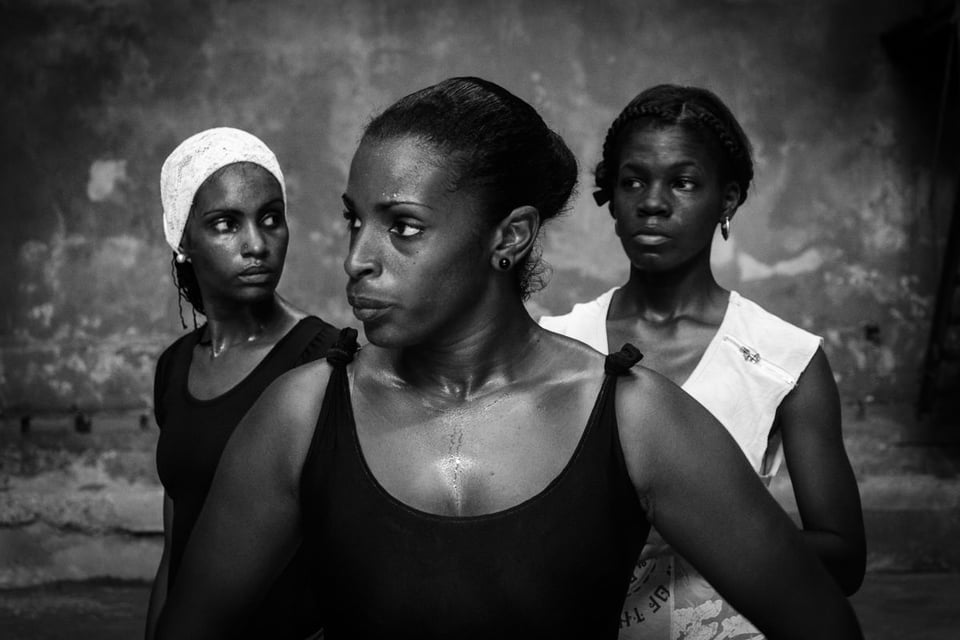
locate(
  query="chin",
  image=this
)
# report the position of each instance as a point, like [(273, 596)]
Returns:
[(649, 263), (389, 335), (257, 295), (383, 335)]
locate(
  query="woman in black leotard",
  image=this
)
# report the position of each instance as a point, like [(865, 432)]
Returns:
[(224, 216), (469, 474)]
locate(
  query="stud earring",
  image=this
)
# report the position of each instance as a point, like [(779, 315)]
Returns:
[(504, 263), (181, 257), (725, 227)]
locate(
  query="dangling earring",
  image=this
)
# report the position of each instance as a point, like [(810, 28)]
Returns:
[(504, 263), (725, 227)]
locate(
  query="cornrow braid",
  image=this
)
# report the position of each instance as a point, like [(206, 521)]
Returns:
[(188, 289), (683, 106)]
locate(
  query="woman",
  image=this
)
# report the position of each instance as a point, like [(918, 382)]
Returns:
[(676, 164), (224, 216), (469, 474)]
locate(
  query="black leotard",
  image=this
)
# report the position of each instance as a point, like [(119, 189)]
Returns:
[(193, 434), (554, 566)]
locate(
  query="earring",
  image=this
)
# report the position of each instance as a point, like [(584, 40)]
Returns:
[(504, 263), (725, 227), (181, 257)]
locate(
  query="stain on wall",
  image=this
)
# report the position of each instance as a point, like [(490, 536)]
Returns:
[(836, 233)]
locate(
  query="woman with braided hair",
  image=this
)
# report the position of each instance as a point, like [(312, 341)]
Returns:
[(224, 217), (676, 165), (468, 474)]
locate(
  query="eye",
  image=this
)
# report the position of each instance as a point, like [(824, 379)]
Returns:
[(272, 220), (405, 229), (223, 225), (685, 184), (631, 183)]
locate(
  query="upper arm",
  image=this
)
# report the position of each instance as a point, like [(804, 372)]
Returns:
[(159, 386), (704, 498), (250, 523), (158, 591), (167, 521), (823, 481)]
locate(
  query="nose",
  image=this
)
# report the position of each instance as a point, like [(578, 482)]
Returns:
[(362, 260), (654, 201), (254, 243)]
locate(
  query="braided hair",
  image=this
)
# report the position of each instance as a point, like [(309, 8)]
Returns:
[(495, 142), (692, 107), (185, 279)]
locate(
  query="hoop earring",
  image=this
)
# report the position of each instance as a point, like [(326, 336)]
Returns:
[(725, 227), (504, 263)]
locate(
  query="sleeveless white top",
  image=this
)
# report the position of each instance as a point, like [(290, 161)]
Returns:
[(750, 365)]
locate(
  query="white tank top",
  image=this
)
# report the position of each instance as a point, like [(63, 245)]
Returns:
[(750, 365)]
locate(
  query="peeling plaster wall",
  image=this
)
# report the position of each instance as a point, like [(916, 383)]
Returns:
[(836, 233)]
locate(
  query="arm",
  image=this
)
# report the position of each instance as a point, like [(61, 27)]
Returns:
[(823, 481), (158, 593), (249, 527), (702, 495)]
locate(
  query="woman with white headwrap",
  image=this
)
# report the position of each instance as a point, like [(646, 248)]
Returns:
[(224, 217)]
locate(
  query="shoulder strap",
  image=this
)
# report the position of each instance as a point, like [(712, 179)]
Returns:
[(620, 362), (335, 409), (341, 353), (324, 335)]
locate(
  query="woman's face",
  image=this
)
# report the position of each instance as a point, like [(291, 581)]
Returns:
[(668, 197), (236, 235), (418, 262)]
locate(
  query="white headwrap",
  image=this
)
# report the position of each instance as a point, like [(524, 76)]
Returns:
[(196, 159)]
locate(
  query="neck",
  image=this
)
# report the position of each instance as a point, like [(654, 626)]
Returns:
[(473, 359), (230, 324), (662, 296)]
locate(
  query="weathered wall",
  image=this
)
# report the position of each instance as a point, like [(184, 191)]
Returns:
[(81, 506), (836, 234)]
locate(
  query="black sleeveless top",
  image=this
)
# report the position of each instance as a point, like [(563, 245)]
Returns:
[(554, 566), (193, 434)]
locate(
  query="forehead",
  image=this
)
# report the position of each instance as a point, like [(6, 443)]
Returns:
[(238, 183), (399, 168), (671, 143)]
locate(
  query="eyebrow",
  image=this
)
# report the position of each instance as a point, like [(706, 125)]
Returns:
[(265, 205), (674, 165), (387, 204)]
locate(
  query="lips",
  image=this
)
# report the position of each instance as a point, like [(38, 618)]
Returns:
[(366, 309), (257, 274), (650, 237)]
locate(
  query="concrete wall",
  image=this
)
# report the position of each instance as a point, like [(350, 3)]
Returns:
[(81, 506), (836, 234)]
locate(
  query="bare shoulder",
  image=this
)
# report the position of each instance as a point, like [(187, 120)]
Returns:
[(643, 395), (298, 393), (655, 417), (285, 415)]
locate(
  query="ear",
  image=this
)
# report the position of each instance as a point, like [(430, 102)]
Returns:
[(731, 200), (514, 236), (183, 249)]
